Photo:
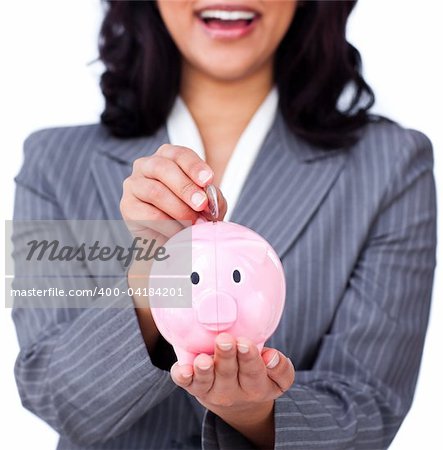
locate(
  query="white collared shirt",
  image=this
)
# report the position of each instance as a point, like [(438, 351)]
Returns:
[(182, 130)]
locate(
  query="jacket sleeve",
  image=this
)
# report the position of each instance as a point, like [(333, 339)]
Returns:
[(362, 382), (85, 371)]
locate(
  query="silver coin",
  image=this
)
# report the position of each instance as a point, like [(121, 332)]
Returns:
[(211, 192)]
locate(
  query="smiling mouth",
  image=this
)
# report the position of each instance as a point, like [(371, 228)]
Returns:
[(228, 22)]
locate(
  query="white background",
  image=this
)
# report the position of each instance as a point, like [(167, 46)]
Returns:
[(45, 81)]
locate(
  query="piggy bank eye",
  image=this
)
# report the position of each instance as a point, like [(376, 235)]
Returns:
[(195, 278), (236, 276)]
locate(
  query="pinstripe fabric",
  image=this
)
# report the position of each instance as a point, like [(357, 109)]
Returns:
[(355, 230)]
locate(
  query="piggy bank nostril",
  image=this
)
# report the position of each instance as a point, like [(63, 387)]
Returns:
[(195, 278)]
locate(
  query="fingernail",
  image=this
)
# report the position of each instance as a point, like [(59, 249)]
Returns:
[(198, 198), (225, 346), (204, 367), (186, 374), (204, 176), (274, 361), (243, 348)]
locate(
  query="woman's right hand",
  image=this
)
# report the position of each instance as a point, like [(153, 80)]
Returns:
[(166, 191)]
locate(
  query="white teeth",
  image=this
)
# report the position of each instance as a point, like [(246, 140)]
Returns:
[(221, 14)]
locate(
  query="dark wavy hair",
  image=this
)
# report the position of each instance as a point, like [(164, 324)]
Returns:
[(313, 66)]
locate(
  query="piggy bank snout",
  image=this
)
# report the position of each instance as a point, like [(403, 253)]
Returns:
[(216, 310)]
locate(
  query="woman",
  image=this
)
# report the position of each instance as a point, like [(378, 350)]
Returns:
[(250, 96)]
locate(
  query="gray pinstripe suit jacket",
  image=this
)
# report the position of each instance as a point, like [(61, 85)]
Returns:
[(356, 232)]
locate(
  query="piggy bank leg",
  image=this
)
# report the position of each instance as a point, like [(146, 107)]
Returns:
[(184, 357), (260, 346)]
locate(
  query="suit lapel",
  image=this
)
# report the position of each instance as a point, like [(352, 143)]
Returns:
[(113, 163), (286, 186)]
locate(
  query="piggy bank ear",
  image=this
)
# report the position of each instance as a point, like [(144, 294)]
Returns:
[(252, 249)]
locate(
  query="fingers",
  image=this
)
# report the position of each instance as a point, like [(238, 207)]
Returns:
[(251, 367), (146, 220), (237, 373), (196, 379), (170, 174), (280, 369), (203, 375), (225, 357), (182, 375), (225, 384), (156, 193), (173, 182), (189, 162)]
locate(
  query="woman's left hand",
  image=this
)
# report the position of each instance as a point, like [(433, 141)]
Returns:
[(238, 384)]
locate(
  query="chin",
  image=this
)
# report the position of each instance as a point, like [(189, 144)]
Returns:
[(228, 74), (229, 68)]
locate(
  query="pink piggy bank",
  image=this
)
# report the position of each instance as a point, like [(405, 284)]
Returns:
[(237, 285)]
